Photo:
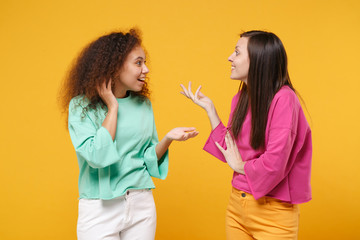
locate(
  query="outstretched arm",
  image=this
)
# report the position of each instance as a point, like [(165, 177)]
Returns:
[(177, 134), (203, 101)]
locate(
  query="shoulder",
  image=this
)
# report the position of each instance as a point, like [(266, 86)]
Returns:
[(78, 102), (286, 92), (81, 111), (284, 109), (286, 97)]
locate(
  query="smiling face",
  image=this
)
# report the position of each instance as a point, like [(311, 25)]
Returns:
[(132, 73), (240, 60)]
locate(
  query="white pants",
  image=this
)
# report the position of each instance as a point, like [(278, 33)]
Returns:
[(129, 217)]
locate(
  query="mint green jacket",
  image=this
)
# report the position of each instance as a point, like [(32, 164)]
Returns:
[(109, 168)]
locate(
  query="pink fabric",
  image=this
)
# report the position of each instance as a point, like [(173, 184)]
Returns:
[(282, 170)]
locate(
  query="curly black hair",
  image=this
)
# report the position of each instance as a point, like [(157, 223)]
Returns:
[(99, 62)]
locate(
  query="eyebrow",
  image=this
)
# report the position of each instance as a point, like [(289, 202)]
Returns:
[(141, 58)]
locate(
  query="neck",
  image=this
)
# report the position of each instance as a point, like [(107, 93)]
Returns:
[(119, 93)]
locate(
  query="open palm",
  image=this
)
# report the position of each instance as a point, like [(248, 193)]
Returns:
[(182, 133), (198, 98)]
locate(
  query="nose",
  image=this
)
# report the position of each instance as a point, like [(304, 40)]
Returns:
[(230, 58), (145, 69)]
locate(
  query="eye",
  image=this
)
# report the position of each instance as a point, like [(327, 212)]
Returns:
[(138, 63), (237, 53)]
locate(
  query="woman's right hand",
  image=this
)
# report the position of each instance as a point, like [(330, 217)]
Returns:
[(112, 104), (107, 95), (199, 98), (203, 101)]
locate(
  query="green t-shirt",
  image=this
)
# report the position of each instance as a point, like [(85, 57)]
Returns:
[(108, 168)]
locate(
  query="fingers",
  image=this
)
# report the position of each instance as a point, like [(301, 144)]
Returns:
[(200, 94), (227, 141), (100, 88), (189, 133), (197, 92), (183, 133), (192, 134), (190, 92), (231, 140), (220, 148), (103, 87), (108, 87), (185, 92), (188, 129)]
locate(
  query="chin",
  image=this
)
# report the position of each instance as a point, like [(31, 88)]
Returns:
[(138, 90)]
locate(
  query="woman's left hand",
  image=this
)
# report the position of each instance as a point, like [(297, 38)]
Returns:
[(232, 154), (177, 134), (182, 133)]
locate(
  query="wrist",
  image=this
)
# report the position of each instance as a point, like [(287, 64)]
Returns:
[(113, 106), (211, 110), (167, 138), (240, 168), (112, 111)]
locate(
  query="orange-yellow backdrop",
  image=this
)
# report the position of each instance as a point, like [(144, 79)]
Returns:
[(186, 40)]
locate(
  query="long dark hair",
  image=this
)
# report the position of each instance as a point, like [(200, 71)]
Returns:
[(268, 72), (100, 61)]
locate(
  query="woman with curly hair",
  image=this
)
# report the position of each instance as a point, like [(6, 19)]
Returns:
[(111, 125), (267, 142)]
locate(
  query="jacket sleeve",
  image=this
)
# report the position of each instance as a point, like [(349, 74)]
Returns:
[(91, 143), (270, 168), (156, 168)]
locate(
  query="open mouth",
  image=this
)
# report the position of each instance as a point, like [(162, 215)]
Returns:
[(141, 79)]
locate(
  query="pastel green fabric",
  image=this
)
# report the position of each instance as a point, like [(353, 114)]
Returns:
[(109, 168)]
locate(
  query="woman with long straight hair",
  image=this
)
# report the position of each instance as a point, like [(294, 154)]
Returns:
[(267, 142), (111, 125)]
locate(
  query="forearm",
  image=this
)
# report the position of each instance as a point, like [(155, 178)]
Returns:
[(162, 147), (110, 121), (213, 117)]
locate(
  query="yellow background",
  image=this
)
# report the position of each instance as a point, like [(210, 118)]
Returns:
[(187, 40)]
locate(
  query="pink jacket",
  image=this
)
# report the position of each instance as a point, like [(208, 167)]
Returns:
[(282, 170)]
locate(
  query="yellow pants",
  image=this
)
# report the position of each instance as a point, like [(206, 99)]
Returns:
[(264, 219)]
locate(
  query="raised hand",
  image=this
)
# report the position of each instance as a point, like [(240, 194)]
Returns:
[(107, 95), (109, 99), (203, 101), (198, 98), (182, 133), (232, 154)]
